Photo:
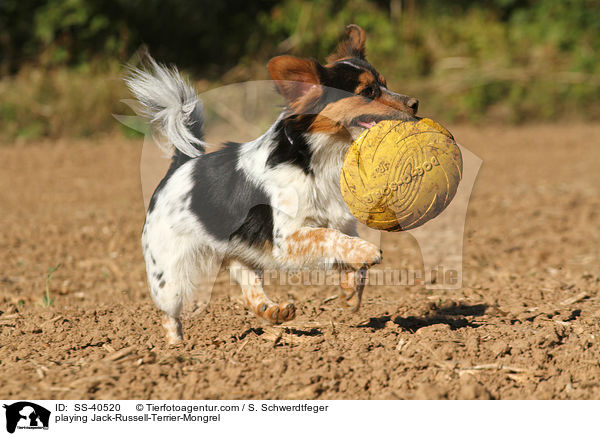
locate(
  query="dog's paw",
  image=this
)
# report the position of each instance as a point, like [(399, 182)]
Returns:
[(351, 288), (276, 313), (360, 254), (173, 332)]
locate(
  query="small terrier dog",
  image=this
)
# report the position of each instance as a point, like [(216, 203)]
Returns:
[(272, 203)]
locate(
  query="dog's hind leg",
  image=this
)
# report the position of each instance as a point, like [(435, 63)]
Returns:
[(255, 297), (173, 278), (169, 299), (192, 280), (172, 326)]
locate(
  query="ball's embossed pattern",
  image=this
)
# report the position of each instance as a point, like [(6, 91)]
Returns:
[(400, 174)]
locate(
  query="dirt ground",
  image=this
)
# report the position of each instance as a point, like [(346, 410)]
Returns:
[(525, 324)]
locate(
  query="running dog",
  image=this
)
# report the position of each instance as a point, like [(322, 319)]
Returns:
[(272, 203)]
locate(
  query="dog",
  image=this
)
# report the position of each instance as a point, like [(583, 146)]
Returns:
[(272, 203)]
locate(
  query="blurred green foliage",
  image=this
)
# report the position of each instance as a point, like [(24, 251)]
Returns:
[(475, 61), (192, 33)]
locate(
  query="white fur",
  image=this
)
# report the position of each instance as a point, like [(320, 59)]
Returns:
[(169, 101)]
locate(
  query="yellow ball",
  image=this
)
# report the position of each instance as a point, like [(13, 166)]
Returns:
[(400, 174)]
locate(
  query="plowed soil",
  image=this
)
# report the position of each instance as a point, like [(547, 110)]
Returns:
[(524, 325)]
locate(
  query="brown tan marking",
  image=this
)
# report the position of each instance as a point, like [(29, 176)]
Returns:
[(336, 117), (317, 244), (365, 79), (402, 103), (352, 46), (297, 80)]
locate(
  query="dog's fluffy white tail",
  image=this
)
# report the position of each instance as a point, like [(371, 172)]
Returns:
[(171, 104)]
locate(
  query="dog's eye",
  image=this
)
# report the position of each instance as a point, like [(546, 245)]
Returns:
[(368, 92)]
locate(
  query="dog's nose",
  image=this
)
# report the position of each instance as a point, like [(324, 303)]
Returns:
[(413, 104)]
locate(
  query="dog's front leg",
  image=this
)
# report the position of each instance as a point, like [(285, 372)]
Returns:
[(352, 285), (313, 247), (255, 297), (309, 247)]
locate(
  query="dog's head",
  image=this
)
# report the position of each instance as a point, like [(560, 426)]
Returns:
[(343, 97)]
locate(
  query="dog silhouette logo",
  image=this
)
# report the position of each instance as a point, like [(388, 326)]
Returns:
[(26, 415)]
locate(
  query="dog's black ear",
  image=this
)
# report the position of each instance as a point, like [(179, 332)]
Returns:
[(295, 77), (352, 45)]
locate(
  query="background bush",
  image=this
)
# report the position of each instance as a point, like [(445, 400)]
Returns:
[(474, 61)]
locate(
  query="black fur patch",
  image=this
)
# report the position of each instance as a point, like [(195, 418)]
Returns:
[(359, 64), (254, 229), (291, 147), (344, 77), (226, 202)]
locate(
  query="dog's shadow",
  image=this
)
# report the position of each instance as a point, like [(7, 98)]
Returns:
[(454, 316), (286, 329)]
